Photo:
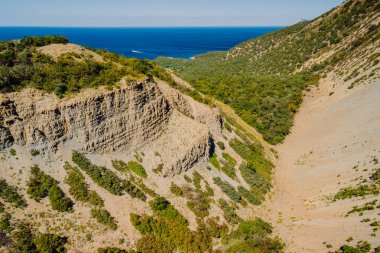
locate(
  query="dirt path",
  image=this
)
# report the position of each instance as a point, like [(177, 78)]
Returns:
[(331, 135)]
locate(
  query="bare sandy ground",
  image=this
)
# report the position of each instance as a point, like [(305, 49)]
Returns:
[(332, 134)]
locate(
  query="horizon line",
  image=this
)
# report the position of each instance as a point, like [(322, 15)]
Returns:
[(226, 26)]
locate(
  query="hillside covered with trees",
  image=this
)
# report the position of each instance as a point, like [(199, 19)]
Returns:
[(263, 78)]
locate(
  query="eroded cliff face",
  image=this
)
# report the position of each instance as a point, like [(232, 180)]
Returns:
[(101, 121), (95, 120)]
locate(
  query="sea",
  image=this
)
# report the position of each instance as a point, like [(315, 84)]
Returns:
[(147, 43)]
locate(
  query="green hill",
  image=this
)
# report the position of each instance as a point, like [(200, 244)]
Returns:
[(263, 78)]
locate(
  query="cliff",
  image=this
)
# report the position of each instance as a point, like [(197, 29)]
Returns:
[(103, 120)]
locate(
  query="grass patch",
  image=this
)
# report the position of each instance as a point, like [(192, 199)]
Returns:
[(130, 166)]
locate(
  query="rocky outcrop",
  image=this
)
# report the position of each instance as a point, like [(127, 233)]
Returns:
[(190, 107), (95, 120)]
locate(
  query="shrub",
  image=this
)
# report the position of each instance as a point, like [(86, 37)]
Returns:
[(12, 152), (104, 217), (41, 185), (229, 165), (255, 180), (358, 191), (111, 250), (229, 212), (106, 178), (50, 243), (214, 161), (5, 222), (101, 175), (131, 166), (10, 194), (221, 145), (23, 239), (197, 178), (2, 208), (78, 187), (176, 190), (58, 200), (199, 204), (249, 196), (227, 189), (253, 236), (34, 152)]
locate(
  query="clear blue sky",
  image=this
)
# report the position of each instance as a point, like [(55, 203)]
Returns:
[(130, 13)]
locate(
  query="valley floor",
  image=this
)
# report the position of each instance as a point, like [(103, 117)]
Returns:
[(334, 143)]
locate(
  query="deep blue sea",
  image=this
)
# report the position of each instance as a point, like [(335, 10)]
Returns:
[(147, 42)]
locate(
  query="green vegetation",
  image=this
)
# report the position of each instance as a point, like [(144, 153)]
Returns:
[(248, 195), (42, 185), (21, 238), (253, 236), (5, 222), (50, 243), (229, 164), (79, 188), (2, 208), (130, 166), (229, 212), (360, 247), (112, 250), (375, 176), (22, 65), (257, 78), (176, 190), (214, 161), (221, 145), (167, 231), (366, 207), (12, 152), (34, 152), (357, 191), (104, 217), (10, 194), (228, 189), (106, 178)]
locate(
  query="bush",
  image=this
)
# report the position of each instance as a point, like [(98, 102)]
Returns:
[(221, 145), (256, 181), (176, 190), (106, 178), (10, 194), (41, 185), (358, 191), (78, 187), (12, 152), (214, 161), (111, 250), (104, 217), (249, 196), (2, 207), (131, 166), (229, 164), (5, 223), (34, 152), (253, 236), (50, 243), (227, 189), (229, 212)]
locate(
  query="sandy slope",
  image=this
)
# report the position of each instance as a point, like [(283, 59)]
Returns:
[(331, 135)]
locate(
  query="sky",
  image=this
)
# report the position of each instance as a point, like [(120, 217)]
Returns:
[(160, 13)]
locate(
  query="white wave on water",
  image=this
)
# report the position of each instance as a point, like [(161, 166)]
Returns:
[(137, 52)]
